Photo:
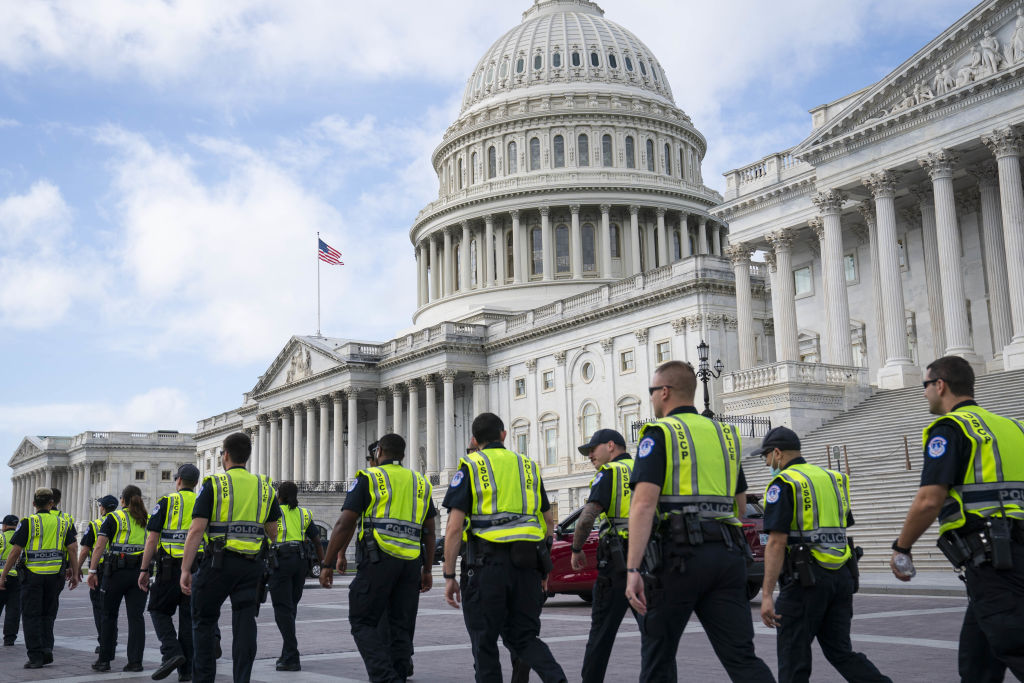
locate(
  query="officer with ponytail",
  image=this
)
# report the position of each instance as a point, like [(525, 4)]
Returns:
[(289, 576), (123, 538), (107, 504)]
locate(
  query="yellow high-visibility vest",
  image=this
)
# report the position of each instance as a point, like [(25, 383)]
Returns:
[(130, 536), (177, 520), (821, 501), (5, 550), (44, 551), (506, 498), (241, 505), (293, 524), (399, 502), (616, 517)]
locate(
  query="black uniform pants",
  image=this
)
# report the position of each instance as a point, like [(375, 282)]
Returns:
[(992, 635), (40, 599), (238, 578), (166, 598), (123, 584), (286, 584), (96, 598), (390, 587), (714, 585), (10, 602), (500, 599), (821, 611), (609, 607)]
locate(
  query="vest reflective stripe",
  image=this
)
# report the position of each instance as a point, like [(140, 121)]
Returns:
[(821, 501), (130, 537), (506, 497), (5, 550), (293, 524), (241, 505), (399, 502), (44, 551), (616, 517), (177, 520), (993, 484), (701, 469)]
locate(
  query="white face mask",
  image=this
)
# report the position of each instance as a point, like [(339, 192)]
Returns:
[(775, 470)]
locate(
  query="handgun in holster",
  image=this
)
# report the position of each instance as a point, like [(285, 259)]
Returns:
[(544, 556), (685, 529), (614, 552), (852, 564), (216, 549), (800, 560), (652, 555), (999, 531)]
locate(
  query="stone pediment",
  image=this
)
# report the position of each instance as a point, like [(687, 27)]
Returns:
[(983, 48), (300, 359), (29, 448)]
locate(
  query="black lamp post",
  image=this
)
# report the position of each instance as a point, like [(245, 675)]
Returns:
[(705, 374)]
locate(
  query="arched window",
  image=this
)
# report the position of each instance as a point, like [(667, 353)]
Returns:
[(460, 173), (606, 150), (509, 254), (503, 69), (536, 252), (534, 154), (492, 162), (575, 58), (588, 418), (629, 63), (583, 149), (615, 243), (630, 154), (512, 158), (538, 62), (668, 160), (611, 61), (643, 69), (595, 59), (589, 248), (549, 437), (520, 65), (562, 249), (556, 59), (682, 166), (650, 154), (559, 151), (472, 169)]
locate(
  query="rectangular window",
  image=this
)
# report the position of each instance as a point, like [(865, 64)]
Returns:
[(548, 379), (209, 464), (803, 282), (522, 441), (140, 475), (165, 475), (662, 351), (626, 361), (551, 445), (850, 267), (520, 387)]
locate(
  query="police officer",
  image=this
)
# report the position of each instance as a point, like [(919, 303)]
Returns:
[(973, 481), (608, 503), (687, 481), (289, 576), (10, 597), (500, 495), (240, 510), (107, 504), (122, 537), (167, 528), (806, 514), (50, 544), (395, 515)]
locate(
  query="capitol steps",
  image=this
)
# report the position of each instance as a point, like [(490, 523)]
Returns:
[(881, 486)]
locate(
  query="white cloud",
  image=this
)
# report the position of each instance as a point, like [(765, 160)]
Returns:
[(9, 123)]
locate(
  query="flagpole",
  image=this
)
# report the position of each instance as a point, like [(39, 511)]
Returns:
[(318, 283)]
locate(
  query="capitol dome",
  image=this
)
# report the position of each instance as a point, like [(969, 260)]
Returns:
[(569, 166)]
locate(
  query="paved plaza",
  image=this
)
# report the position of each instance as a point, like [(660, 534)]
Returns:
[(909, 637)]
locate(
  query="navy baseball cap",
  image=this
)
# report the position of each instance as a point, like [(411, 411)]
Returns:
[(188, 472), (11, 520), (783, 438), (602, 436), (107, 502)]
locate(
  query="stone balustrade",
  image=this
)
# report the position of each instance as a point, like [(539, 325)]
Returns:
[(764, 376)]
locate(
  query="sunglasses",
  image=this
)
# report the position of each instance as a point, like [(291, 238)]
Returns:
[(931, 381), (651, 390)]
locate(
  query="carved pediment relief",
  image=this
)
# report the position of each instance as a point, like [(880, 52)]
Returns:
[(26, 451), (297, 361), (299, 365)]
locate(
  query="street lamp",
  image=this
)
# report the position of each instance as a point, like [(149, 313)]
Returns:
[(705, 374)]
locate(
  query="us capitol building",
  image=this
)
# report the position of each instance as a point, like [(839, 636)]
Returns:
[(573, 246)]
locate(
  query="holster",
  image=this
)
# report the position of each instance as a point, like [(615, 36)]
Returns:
[(215, 548), (652, 555), (544, 556), (610, 549), (852, 565), (800, 561), (264, 583), (999, 531), (368, 549), (524, 554), (166, 567), (685, 529)]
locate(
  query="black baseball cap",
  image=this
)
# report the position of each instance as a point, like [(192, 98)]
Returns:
[(602, 436), (107, 502), (188, 472), (11, 520), (783, 438)]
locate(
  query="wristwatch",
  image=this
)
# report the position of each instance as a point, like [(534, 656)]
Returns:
[(577, 550), (324, 565), (448, 576), (897, 548)]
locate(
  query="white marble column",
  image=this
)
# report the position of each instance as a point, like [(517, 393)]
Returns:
[(412, 441), (352, 413), (517, 249), (479, 257), (322, 470), (739, 254), (274, 453), (311, 463), (1007, 146), (547, 243), (575, 243), (286, 445), (716, 239), (430, 396), (500, 255), (448, 415), (465, 278), (435, 272), (260, 466), (447, 269), (684, 234), (72, 498), (338, 472), (382, 412), (958, 338), (898, 370), (837, 306), (702, 235), (480, 387), (86, 488), (398, 424), (926, 204), (487, 252), (995, 258), (634, 240), (419, 275), (867, 210), (787, 345), (298, 415), (604, 242), (663, 246)]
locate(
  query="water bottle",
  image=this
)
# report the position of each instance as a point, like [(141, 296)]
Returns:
[(905, 565)]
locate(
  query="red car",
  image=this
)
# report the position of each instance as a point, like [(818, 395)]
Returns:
[(564, 579)]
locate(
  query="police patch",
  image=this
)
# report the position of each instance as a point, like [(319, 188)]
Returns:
[(772, 495), (156, 509), (456, 479), (937, 447), (597, 477), (352, 486), (645, 447)]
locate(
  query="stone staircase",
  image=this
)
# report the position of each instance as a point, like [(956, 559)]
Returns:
[(881, 487)]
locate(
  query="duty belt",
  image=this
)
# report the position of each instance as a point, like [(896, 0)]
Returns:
[(126, 549), (174, 536), (714, 532), (394, 527), (239, 531), (819, 537)]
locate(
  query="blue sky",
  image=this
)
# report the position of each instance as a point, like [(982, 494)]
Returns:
[(166, 165)]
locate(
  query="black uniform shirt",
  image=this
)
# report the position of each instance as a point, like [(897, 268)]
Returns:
[(778, 505), (651, 459), (204, 503), (460, 497), (89, 539), (601, 490), (20, 536), (358, 497)]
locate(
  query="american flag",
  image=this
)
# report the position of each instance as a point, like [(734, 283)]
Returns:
[(329, 254)]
